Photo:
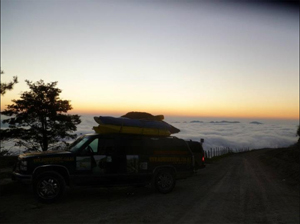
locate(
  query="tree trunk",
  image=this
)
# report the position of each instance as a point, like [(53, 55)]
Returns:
[(44, 130)]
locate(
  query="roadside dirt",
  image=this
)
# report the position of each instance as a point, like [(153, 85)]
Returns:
[(236, 189)]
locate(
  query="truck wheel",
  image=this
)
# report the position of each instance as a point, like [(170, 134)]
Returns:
[(164, 181), (49, 186)]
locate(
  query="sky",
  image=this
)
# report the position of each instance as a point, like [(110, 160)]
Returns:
[(179, 58)]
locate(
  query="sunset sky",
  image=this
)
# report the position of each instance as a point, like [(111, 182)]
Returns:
[(184, 58)]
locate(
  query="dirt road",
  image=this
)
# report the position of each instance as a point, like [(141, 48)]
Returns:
[(236, 189)]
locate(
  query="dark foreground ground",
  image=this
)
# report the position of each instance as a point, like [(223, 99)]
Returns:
[(252, 187)]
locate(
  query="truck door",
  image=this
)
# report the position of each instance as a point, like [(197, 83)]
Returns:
[(84, 160), (100, 157), (113, 157)]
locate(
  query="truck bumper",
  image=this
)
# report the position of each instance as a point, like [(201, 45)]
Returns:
[(21, 177)]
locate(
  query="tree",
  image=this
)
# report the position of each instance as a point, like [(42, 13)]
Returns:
[(39, 118), (3, 88), (7, 86)]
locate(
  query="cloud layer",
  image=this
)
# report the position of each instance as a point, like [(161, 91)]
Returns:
[(235, 134), (240, 134)]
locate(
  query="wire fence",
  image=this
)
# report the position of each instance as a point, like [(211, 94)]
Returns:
[(213, 152)]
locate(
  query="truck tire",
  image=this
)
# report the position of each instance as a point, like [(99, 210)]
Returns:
[(164, 181), (49, 186)]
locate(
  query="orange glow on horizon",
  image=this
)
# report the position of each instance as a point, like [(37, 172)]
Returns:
[(262, 114), (218, 111)]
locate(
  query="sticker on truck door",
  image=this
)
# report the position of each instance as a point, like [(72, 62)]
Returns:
[(83, 163)]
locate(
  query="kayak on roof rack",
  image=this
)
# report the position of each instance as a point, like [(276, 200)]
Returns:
[(139, 123), (106, 128)]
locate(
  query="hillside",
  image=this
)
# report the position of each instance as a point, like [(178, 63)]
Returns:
[(284, 160)]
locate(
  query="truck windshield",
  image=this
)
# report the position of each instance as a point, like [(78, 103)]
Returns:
[(76, 145)]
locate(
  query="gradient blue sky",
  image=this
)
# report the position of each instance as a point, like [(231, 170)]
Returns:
[(194, 58)]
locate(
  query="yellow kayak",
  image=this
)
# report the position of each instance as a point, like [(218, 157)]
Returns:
[(109, 129)]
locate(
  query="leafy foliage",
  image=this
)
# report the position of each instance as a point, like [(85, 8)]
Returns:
[(39, 118), (7, 86)]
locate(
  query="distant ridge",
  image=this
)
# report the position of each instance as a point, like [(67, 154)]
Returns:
[(196, 121), (224, 122), (255, 122)]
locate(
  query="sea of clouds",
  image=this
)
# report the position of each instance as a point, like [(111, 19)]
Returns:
[(236, 134), (220, 133)]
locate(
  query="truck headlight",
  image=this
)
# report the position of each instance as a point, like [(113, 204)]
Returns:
[(23, 165)]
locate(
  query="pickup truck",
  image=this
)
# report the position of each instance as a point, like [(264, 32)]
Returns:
[(110, 160)]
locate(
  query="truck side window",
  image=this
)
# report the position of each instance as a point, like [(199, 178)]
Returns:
[(92, 147)]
